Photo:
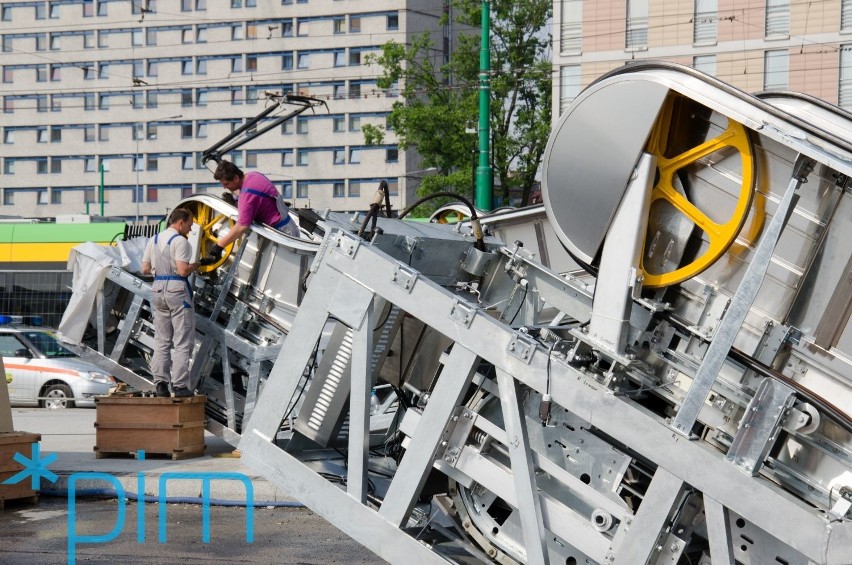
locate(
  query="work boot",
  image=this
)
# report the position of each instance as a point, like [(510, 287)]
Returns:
[(181, 392), (163, 389)]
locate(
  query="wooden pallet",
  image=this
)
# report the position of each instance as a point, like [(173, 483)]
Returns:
[(175, 455), (10, 444), (170, 427)]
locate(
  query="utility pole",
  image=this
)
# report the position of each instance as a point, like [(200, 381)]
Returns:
[(484, 174)]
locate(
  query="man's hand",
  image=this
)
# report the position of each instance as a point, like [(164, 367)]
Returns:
[(216, 252), (209, 260)]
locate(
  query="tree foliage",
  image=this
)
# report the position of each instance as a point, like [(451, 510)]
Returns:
[(439, 101)]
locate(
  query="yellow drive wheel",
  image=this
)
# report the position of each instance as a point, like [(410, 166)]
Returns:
[(449, 217), (720, 236), (209, 220)]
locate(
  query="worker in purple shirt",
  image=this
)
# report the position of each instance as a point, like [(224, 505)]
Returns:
[(257, 199)]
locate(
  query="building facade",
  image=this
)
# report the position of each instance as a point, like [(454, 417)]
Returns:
[(755, 45), (127, 94)]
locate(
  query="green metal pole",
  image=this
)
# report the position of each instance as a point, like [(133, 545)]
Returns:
[(484, 174), (101, 190)]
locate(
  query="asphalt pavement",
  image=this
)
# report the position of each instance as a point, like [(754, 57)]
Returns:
[(78, 517)]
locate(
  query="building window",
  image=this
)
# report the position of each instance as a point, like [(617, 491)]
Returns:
[(775, 69), (354, 189), (340, 58), (9, 136), (55, 134), (303, 60), (393, 21), (187, 162), (287, 61), (845, 94), (152, 194), (56, 196), (705, 63), (301, 125), (89, 133), (237, 65), (393, 187), (354, 123), (89, 164), (251, 63), (569, 85), (55, 165), (186, 67), (287, 28), (41, 135), (777, 18), (338, 124), (201, 130), (103, 133), (41, 165), (354, 24), (201, 67), (705, 21), (41, 197), (303, 157), (152, 163), (237, 32), (339, 156), (392, 155), (9, 167), (152, 131), (355, 155), (301, 189), (571, 34), (8, 198), (201, 35), (637, 24), (339, 24), (845, 15), (354, 57), (339, 189), (186, 131), (354, 89), (287, 159)]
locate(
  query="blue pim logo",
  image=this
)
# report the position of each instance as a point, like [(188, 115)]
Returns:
[(35, 467)]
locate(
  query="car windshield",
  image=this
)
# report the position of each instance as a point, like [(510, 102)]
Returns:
[(47, 344)]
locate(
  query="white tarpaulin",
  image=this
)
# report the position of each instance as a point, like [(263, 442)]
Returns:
[(89, 263)]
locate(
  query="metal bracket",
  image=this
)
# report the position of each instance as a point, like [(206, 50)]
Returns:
[(760, 425), (462, 314), (347, 245), (404, 277), (522, 346)]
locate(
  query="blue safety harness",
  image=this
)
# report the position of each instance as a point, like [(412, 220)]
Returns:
[(286, 217), (173, 277)]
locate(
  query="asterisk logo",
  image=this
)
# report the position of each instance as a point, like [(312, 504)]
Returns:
[(35, 467)]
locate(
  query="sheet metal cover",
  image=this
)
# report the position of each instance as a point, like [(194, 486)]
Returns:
[(590, 156)]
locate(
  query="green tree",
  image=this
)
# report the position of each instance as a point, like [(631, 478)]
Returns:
[(438, 100)]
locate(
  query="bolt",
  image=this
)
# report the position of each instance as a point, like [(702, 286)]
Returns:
[(674, 547)]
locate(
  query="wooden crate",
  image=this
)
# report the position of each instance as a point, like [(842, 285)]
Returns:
[(159, 426), (11, 443)]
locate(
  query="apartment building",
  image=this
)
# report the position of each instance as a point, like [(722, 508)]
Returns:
[(127, 94), (755, 45)]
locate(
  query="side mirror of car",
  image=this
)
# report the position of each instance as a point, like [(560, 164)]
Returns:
[(23, 352)]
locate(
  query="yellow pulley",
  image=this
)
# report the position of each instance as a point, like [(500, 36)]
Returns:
[(209, 220), (720, 235)]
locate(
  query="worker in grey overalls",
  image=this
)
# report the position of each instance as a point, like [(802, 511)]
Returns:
[(169, 256)]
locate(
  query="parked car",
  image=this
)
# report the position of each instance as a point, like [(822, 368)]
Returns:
[(41, 372)]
